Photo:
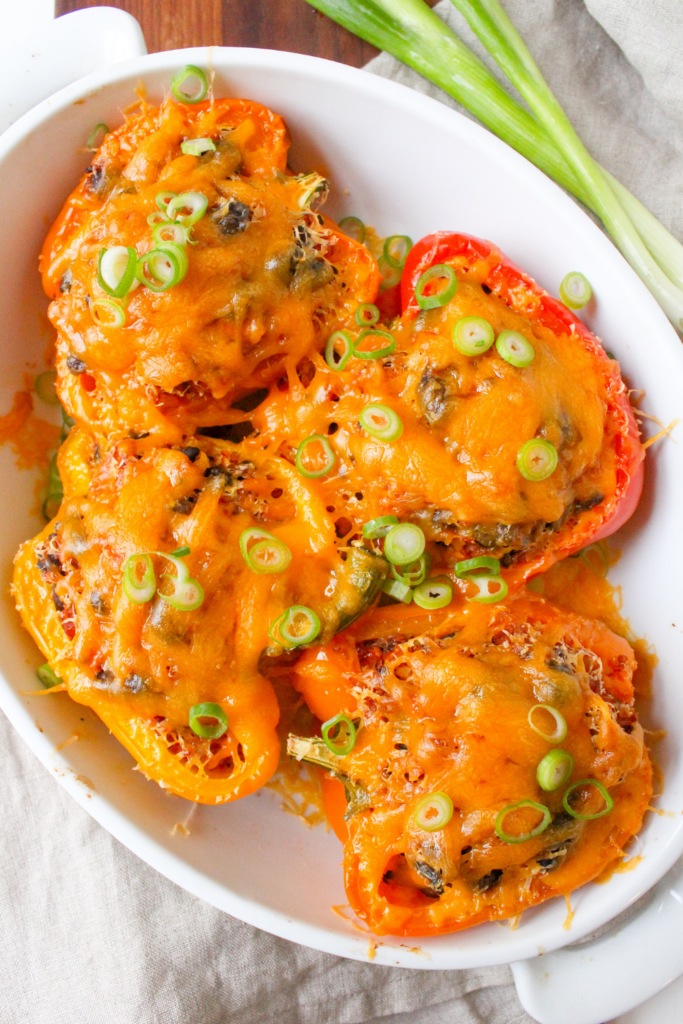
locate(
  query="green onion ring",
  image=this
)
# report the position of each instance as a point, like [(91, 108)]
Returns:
[(472, 336), (157, 217), (381, 422), (386, 349), (391, 276), (179, 253), (537, 459), (379, 527), (116, 270), (560, 724), (183, 87), (483, 565), (514, 348), (48, 677), (541, 827), (301, 453), (609, 802), (413, 574), (396, 249), (169, 232), (353, 227), (159, 269), (285, 624), (90, 144), (398, 590), (162, 200), (269, 547), (439, 270), (404, 544), (105, 308), (196, 147), (436, 592), (181, 552), (187, 595), (554, 770), (139, 582), (45, 387), (484, 593), (575, 290), (195, 202), (204, 729), (433, 812), (337, 725), (52, 504), (331, 359), (367, 314)]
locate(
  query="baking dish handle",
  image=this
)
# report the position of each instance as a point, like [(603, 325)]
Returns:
[(59, 53), (596, 981)]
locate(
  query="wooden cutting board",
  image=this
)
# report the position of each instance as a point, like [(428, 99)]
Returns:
[(273, 24)]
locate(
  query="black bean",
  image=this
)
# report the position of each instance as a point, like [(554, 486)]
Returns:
[(190, 452)]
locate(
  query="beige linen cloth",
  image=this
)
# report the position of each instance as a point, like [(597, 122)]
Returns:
[(91, 935)]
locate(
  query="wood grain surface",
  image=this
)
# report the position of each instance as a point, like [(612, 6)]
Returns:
[(274, 24)]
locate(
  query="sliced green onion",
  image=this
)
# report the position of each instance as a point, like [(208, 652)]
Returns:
[(178, 251), (181, 567), (541, 827), (160, 269), (433, 812), (195, 147), (434, 593), (404, 544), (298, 625), (353, 227), (52, 504), (106, 313), (391, 276), (609, 802), (157, 217), (48, 677), (54, 478), (339, 735), (483, 565), (473, 335), (310, 460), (575, 290), (215, 727), (181, 552), (116, 270), (186, 596), (269, 556), (195, 203), (439, 298), (367, 315), (554, 770), (332, 358), (385, 349), (396, 249), (399, 591), (46, 387), (599, 550), (168, 232), (560, 730), (163, 199), (514, 348), (380, 527), (251, 536), (139, 582), (412, 574), (189, 85), (490, 589), (381, 422), (93, 135), (537, 459)]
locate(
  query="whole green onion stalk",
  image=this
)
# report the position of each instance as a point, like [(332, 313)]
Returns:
[(411, 32)]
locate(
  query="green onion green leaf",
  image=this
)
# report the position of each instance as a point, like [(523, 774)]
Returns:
[(554, 770), (433, 812), (46, 387), (482, 565), (340, 340), (557, 734), (396, 249), (367, 314), (398, 590), (434, 593), (339, 735), (436, 287), (189, 85), (385, 341), (314, 457), (379, 527), (353, 227), (48, 677), (472, 336), (514, 348), (404, 544), (381, 422), (609, 802), (506, 837)]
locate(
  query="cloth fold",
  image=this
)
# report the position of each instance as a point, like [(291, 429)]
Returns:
[(90, 934)]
